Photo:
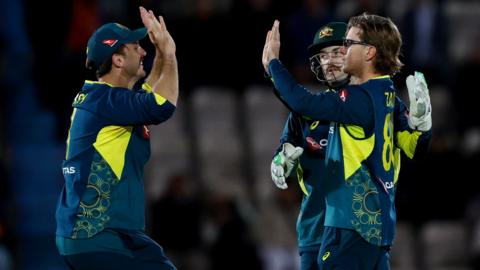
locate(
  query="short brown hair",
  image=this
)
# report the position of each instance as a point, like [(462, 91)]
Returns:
[(383, 34), (106, 66)]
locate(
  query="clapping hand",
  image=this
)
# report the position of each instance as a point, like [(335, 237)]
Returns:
[(271, 50), (158, 33), (420, 117)]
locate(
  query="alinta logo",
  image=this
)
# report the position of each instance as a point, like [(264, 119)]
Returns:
[(343, 95), (110, 42)]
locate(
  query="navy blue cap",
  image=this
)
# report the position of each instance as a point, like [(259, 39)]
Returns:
[(108, 39)]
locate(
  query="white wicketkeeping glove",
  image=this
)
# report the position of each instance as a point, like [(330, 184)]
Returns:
[(283, 163), (420, 117)]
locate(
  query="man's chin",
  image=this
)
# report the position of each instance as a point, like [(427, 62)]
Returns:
[(334, 76), (141, 73)]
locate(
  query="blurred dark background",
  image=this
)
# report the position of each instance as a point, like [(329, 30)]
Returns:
[(211, 202)]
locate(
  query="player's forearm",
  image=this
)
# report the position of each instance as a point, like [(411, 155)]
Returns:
[(156, 69), (299, 99), (414, 143), (167, 85), (423, 145)]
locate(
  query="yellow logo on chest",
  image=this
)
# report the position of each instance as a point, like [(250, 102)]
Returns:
[(80, 98), (325, 256), (390, 99)]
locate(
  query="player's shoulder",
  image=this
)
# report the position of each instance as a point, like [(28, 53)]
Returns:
[(89, 86), (352, 88), (383, 83), (101, 87), (351, 92), (91, 93)]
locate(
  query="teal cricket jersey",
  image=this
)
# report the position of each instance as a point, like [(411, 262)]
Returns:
[(312, 137), (362, 152), (107, 147)]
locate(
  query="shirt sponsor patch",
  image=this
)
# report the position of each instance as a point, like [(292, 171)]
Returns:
[(146, 132), (312, 144), (343, 95)]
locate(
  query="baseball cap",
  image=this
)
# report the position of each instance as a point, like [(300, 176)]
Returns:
[(108, 39), (330, 34)]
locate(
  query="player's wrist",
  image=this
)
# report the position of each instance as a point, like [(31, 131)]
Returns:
[(423, 123)]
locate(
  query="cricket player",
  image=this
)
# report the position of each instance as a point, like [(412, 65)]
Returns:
[(355, 237), (101, 210), (306, 139)]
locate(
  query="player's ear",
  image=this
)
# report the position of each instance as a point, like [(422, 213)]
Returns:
[(117, 60), (370, 52)]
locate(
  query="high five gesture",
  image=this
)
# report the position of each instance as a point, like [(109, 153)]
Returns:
[(271, 50)]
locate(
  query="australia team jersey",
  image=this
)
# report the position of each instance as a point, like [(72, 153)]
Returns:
[(361, 192), (362, 155), (107, 147), (312, 137)]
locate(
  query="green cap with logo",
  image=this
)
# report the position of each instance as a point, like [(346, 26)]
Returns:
[(331, 34), (109, 38)]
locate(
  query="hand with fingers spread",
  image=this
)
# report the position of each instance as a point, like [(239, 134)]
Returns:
[(271, 50), (163, 77), (420, 117), (157, 32)]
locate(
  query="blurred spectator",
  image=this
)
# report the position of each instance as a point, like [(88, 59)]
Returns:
[(347, 8), (6, 234), (5, 259), (122, 11), (233, 247), (301, 27), (85, 20), (473, 231), (371, 7), (275, 229), (18, 96), (71, 66), (48, 38), (176, 221), (202, 47), (425, 38), (251, 20), (467, 125)]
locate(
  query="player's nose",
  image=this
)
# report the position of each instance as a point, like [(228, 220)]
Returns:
[(142, 52)]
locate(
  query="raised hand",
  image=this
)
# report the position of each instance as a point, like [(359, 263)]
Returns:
[(157, 32), (271, 50), (420, 117)]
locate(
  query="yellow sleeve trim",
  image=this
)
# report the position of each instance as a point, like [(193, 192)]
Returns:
[(408, 141), (68, 138), (396, 164), (381, 77), (147, 87), (159, 99), (111, 144), (301, 183), (354, 150), (98, 82)]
